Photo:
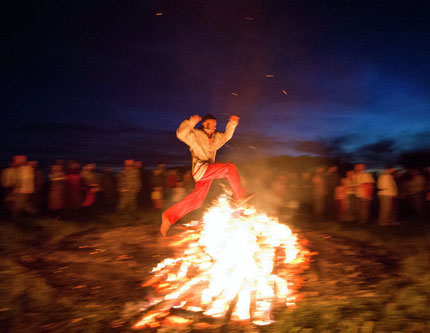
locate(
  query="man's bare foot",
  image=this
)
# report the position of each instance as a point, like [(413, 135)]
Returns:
[(165, 225)]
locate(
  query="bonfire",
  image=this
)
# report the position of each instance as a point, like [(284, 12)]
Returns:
[(237, 264)]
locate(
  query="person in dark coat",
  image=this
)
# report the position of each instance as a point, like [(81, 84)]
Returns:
[(108, 190)]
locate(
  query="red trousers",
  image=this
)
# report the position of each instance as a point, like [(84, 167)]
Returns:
[(196, 198)]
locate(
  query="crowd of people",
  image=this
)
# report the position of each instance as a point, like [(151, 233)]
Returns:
[(387, 197), (69, 188)]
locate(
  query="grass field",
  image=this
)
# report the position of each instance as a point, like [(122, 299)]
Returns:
[(84, 275)]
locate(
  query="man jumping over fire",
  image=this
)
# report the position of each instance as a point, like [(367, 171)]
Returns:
[(203, 145)]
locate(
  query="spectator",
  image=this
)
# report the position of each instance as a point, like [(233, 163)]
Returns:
[(427, 193), (341, 201), (39, 183), (305, 192), (90, 184), (129, 185), (56, 189), (179, 192), (73, 187), (387, 192), (416, 187), (319, 192), (143, 193), (170, 183), (23, 188), (350, 194), (157, 198), (364, 184), (158, 182), (188, 181), (108, 190), (332, 181), (8, 182)]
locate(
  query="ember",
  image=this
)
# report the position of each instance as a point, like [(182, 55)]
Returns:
[(236, 264)]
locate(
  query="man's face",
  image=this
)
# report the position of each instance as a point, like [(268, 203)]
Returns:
[(210, 125)]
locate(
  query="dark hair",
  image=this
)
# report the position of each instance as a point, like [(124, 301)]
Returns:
[(208, 116)]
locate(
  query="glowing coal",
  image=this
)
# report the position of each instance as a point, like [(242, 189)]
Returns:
[(236, 263)]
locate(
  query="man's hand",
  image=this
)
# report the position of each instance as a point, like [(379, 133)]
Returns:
[(234, 119), (195, 119)]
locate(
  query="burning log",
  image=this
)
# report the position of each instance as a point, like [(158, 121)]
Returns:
[(237, 264)]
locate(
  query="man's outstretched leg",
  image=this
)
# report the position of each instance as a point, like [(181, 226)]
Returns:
[(195, 199), (191, 202), (229, 171)]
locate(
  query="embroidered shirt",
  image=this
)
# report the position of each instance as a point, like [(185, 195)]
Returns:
[(202, 147)]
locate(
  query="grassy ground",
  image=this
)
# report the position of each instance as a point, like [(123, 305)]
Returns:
[(393, 294), (84, 275)]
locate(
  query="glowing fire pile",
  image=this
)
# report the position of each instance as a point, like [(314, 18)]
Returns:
[(235, 264)]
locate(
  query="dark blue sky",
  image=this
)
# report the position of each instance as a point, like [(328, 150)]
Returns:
[(107, 80)]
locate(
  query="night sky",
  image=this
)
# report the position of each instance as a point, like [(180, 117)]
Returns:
[(107, 80)]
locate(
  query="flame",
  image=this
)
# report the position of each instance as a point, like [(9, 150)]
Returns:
[(237, 262)]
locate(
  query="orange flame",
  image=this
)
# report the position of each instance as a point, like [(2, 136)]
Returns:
[(237, 261)]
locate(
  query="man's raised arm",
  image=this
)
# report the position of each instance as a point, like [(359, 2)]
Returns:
[(229, 130), (185, 130)]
